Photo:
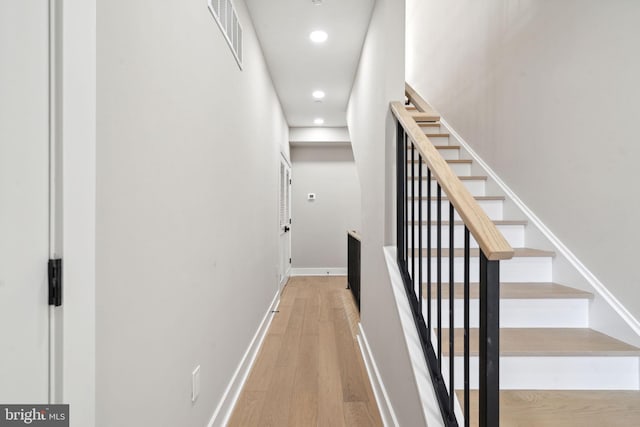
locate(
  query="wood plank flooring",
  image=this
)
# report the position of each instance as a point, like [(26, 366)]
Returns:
[(309, 371), (508, 290), (564, 408), (559, 342)]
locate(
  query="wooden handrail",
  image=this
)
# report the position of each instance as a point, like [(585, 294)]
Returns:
[(425, 111), (354, 234), (490, 240)]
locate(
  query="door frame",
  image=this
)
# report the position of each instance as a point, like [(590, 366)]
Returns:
[(72, 123), (287, 271), (55, 198)]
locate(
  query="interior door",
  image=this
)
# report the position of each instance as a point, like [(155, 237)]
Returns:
[(24, 201), (285, 221)]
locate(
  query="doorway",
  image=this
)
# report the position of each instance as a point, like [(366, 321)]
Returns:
[(284, 215)]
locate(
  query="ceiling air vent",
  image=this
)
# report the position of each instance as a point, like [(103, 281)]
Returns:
[(226, 17)]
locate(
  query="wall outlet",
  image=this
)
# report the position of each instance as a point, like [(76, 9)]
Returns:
[(195, 384), (311, 196)]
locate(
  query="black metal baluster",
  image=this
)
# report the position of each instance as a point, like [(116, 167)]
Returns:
[(413, 219), (400, 173), (439, 270), (420, 231), (466, 327), (489, 337), (406, 180), (451, 301), (353, 266), (429, 252)]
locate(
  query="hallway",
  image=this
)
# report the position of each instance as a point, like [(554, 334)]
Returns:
[(309, 370)]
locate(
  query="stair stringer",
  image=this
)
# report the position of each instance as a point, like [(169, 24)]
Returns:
[(424, 385), (606, 313)]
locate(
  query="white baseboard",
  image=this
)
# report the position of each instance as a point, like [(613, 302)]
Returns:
[(327, 271), (596, 284), (382, 398), (230, 397)]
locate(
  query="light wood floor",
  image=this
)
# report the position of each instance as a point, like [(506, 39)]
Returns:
[(564, 408), (309, 370), (544, 342)]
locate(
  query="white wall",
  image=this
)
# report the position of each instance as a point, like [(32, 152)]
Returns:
[(187, 167), (322, 135), (547, 93), (379, 80), (319, 230), (75, 132)]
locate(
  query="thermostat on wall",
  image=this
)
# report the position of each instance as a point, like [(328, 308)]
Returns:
[(311, 196)]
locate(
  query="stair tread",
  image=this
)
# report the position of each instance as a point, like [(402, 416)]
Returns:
[(422, 116), (462, 178), (440, 147), (496, 221), (475, 197), (429, 124), (561, 342), (474, 252), (437, 135), (463, 161), (563, 408), (510, 290)]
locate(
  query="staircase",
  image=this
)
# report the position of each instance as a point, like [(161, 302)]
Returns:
[(554, 369)]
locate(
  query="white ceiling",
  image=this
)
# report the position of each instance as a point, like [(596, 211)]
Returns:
[(298, 66)]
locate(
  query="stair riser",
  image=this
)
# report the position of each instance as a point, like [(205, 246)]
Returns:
[(438, 140), (556, 373), (433, 129), (519, 313), (525, 269), (493, 209), (476, 187), (450, 154), (513, 233), (460, 169)]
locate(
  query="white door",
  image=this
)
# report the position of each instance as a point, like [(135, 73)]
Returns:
[(285, 221), (24, 204)]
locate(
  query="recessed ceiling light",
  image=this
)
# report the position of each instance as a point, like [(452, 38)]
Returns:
[(318, 36), (318, 121), (316, 2), (318, 94)]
